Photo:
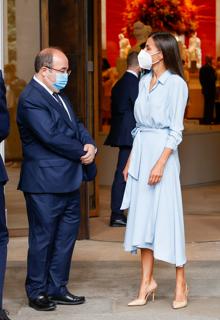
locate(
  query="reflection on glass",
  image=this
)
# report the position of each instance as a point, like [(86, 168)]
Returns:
[(14, 86), (109, 78)]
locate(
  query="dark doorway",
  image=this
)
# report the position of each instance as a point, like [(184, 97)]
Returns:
[(71, 27)]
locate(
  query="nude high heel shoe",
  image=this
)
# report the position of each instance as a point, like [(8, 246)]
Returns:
[(181, 304), (151, 289)]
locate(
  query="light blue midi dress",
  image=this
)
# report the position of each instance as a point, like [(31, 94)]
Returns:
[(155, 213)]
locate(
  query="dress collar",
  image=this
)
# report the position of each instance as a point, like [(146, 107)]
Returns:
[(165, 75)]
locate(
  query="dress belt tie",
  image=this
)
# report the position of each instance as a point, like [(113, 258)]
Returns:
[(134, 167)]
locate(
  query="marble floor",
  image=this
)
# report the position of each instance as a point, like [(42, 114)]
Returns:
[(109, 278)]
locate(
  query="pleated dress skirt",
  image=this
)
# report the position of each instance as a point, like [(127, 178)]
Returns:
[(155, 213)]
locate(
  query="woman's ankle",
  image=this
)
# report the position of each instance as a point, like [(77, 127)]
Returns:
[(181, 284)]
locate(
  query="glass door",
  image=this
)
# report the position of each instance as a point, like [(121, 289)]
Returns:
[(73, 32)]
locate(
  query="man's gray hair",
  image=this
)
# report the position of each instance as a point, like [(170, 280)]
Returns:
[(45, 58)]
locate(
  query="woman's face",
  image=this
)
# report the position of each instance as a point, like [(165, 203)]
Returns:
[(151, 48)]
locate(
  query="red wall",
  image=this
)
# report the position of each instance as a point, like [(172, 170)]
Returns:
[(114, 24), (207, 26), (206, 31)]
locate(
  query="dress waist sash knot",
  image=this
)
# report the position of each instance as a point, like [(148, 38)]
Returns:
[(134, 166)]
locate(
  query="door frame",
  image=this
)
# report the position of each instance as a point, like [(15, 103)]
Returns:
[(94, 98), (97, 78)]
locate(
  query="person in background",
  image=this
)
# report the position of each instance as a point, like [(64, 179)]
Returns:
[(207, 77), (152, 195), (57, 150), (123, 96), (4, 131)]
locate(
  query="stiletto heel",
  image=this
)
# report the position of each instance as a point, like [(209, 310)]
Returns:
[(153, 295), (181, 304), (142, 302)]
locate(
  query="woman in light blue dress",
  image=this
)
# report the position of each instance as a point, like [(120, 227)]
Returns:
[(153, 194)]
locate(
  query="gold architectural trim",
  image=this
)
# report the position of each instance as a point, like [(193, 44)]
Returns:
[(44, 23), (97, 31)]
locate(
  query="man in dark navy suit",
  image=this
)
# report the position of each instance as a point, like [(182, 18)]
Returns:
[(4, 130), (207, 77), (124, 94), (56, 146)]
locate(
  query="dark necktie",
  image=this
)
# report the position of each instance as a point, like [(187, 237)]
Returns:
[(57, 97)]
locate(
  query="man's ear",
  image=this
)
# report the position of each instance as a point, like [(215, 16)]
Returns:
[(43, 71)]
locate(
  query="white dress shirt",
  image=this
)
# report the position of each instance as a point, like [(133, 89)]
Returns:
[(51, 92), (132, 72)]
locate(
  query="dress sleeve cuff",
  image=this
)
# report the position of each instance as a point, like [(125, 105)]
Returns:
[(171, 144), (173, 141)]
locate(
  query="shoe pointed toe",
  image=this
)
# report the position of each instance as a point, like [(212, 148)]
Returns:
[(137, 302), (150, 292), (179, 304)]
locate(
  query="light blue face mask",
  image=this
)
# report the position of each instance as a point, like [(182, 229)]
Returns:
[(61, 81)]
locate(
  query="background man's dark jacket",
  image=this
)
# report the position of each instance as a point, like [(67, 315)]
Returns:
[(124, 94), (207, 77)]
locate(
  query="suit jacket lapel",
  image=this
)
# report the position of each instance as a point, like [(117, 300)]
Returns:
[(52, 101), (68, 105)]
